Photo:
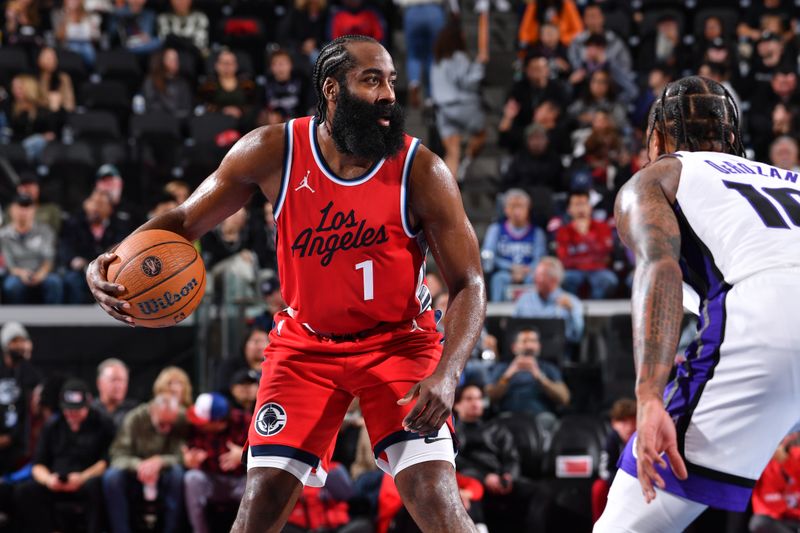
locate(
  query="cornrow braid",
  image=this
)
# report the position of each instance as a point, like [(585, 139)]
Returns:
[(333, 61), (699, 114)]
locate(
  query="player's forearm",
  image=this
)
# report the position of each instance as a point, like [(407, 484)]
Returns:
[(657, 304), (463, 325)]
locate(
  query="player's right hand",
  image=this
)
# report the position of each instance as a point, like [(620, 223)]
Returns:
[(655, 436), (104, 291)]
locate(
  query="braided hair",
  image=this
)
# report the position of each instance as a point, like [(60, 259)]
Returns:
[(334, 60), (698, 114)]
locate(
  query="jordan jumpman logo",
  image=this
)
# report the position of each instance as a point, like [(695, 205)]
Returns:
[(304, 183)]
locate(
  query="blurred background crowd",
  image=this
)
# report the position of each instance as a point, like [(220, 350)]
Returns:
[(113, 111)]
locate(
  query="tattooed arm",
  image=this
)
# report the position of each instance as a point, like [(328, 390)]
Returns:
[(647, 225)]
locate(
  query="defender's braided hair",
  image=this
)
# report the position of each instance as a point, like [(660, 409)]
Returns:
[(698, 114), (333, 61)]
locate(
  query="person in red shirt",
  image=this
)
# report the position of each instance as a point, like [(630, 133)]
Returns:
[(776, 497), (357, 19), (584, 247)]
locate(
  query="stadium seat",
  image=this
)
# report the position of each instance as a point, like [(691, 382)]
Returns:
[(15, 155), (120, 65), (110, 96), (13, 61), (528, 439), (94, 125), (204, 129), (70, 173), (72, 63), (616, 359)]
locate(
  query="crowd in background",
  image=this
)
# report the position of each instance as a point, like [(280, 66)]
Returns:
[(111, 112)]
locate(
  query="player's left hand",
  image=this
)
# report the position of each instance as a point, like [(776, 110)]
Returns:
[(434, 403), (655, 437)]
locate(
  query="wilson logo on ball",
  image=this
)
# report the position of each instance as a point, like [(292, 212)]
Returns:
[(151, 266), (153, 305)]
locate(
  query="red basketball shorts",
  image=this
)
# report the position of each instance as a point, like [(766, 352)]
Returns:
[(309, 381)]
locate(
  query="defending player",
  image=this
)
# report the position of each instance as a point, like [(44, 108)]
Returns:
[(357, 203), (728, 227)]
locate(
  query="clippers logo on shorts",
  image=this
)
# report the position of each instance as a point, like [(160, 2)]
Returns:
[(151, 266), (270, 420)]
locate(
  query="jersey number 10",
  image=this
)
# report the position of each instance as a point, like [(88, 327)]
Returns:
[(765, 209)]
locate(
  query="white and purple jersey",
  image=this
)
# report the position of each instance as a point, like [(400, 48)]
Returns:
[(738, 393)]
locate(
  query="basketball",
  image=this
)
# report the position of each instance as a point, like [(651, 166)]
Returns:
[(163, 275)]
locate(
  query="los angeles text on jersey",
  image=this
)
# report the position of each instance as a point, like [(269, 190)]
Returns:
[(336, 230), (735, 167)]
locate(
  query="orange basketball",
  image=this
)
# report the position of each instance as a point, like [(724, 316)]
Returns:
[(163, 275)]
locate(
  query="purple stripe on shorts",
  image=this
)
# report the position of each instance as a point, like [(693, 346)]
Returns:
[(698, 488)]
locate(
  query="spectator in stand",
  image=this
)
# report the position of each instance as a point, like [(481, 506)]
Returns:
[(55, 86), (112, 391), (548, 300), (227, 92), (262, 230), (164, 89), (48, 213), (213, 456), (271, 295), (229, 259), (287, 89), (23, 23), (146, 453), (549, 45), (244, 389), (174, 381), (658, 78), (528, 384), (18, 378), (488, 453), (512, 248), (184, 28), (602, 157), (31, 124), (161, 204), (596, 58), (664, 46), (526, 95), (561, 13), (306, 27), (71, 457), (713, 36), (584, 248), (354, 18), (86, 235), (29, 250), (325, 508), (616, 51), (623, 425), (134, 26), (252, 356), (771, 57), (776, 496), (455, 90), (782, 92), (784, 152), (539, 165), (109, 180), (77, 29), (422, 22), (755, 19), (179, 190), (600, 94)]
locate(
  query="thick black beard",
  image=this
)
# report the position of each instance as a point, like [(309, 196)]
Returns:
[(355, 129)]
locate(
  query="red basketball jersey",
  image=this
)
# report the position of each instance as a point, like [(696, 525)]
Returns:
[(347, 258)]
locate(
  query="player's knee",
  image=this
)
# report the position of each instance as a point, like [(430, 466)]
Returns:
[(427, 484)]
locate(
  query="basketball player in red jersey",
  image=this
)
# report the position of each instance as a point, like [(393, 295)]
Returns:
[(358, 203)]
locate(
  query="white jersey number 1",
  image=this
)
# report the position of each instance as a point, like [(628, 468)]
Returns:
[(366, 266)]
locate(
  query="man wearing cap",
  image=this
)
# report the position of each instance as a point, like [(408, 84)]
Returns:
[(271, 294), (29, 249), (537, 165), (244, 389), (18, 378), (48, 213), (213, 456), (86, 235), (109, 180), (71, 456)]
